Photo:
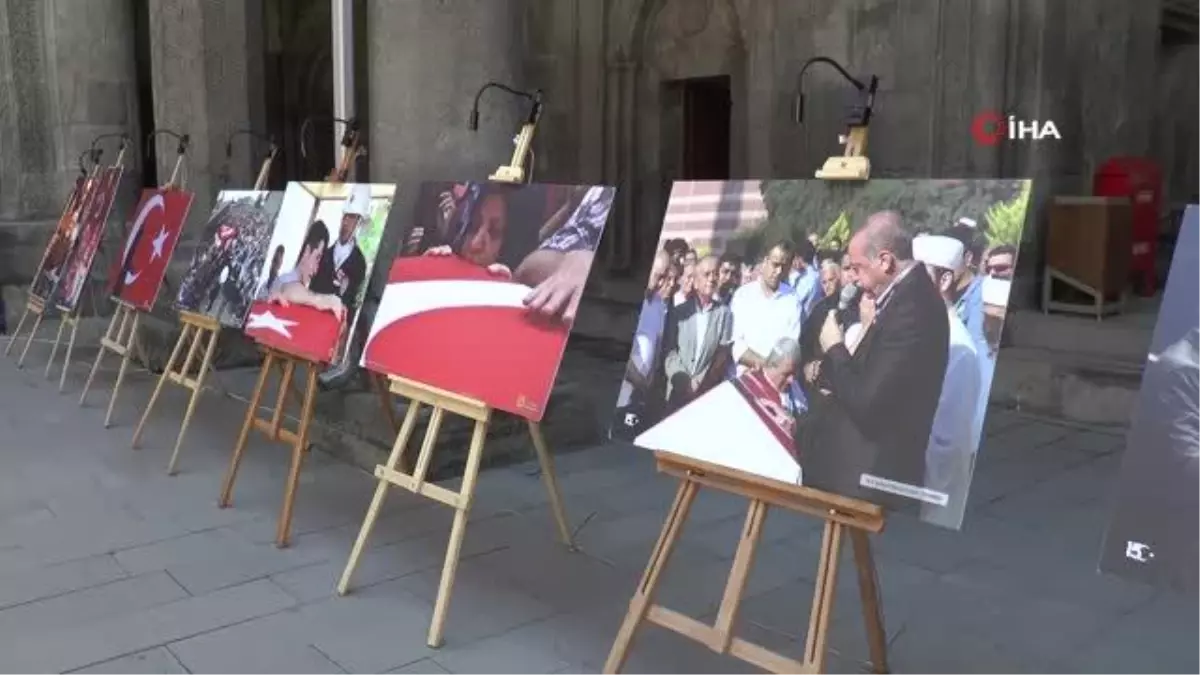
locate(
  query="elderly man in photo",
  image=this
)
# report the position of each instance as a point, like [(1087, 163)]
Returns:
[(868, 427), (952, 442), (637, 387), (765, 310), (779, 370), (700, 338), (831, 286)]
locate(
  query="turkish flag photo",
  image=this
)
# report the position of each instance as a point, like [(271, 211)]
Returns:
[(742, 424), (451, 324), (136, 276), (294, 329)]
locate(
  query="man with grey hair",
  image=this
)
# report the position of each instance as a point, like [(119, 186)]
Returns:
[(779, 369), (699, 338), (870, 420)]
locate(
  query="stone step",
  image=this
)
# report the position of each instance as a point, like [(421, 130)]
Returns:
[(1071, 385)]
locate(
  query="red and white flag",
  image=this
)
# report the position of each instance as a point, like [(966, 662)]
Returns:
[(450, 324), (740, 424), (298, 330), (136, 276)]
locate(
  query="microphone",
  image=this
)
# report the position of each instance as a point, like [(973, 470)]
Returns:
[(848, 297), (847, 300)]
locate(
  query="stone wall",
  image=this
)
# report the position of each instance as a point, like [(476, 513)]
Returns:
[(206, 69), (67, 72), (940, 63)]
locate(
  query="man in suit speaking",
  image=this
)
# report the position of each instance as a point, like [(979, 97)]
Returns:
[(699, 339), (869, 426)]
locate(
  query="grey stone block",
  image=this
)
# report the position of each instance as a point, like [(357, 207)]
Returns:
[(119, 597), (149, 662), (370, 631), (272, 644), (21, 587), (423, 667), (74, 647)]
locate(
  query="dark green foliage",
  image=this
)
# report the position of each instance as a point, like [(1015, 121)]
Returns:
[(799, 207)]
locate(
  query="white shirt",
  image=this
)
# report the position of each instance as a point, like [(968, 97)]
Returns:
[(649, 331), (341, 252), (952, 440), (761, 320)]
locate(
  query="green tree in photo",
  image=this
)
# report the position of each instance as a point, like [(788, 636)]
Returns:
[(1006, 220)]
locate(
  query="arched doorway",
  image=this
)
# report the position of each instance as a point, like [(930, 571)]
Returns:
[(681, 80)]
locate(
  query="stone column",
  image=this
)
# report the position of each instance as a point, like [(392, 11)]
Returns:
[(206, 64), (67, 70), (427, 60)]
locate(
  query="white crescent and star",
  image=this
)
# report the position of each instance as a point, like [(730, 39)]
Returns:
[(269, 321), (156, 201)]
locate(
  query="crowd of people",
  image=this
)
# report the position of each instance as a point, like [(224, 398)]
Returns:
[(221, 280), (875, 398)]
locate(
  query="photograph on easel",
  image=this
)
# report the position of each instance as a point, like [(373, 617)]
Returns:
[(55, 255), (1152, 532), (93, 223), (223, 277), (482, 295), (318, 263), (137, 273), (840, 336)]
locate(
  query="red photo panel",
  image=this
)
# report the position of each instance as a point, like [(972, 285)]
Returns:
[(137, 274)]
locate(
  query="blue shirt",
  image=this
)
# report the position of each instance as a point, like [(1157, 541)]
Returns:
[(807, 285), (970, 311)]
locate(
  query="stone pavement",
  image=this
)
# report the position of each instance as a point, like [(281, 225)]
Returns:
[(109, 565)]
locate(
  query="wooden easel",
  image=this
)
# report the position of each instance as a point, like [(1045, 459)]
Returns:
[(840, 514), (394, 474), (36, 306), (122, 336), (272, 427), (199, 333)]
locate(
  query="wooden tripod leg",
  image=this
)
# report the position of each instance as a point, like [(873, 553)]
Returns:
[(288, 367), (284, 528), (158, 387), (457, 531), (197, 389), (739, 573), (126, 356), (54, 348), (823, 591), (244, 435), (37, 321), (381, 490), (20, 324), (550, 479), (869, 591), (639, 605), (108, 335), (62, 378)]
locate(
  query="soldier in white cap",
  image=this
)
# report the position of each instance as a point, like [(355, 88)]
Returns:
[(343, 267), (952, 441)]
